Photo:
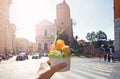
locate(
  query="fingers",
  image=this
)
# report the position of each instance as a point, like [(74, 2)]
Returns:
[(48, 74), (58, 67), (54, 69)]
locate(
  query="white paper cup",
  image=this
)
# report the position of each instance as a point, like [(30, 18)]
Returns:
[(55, 61)]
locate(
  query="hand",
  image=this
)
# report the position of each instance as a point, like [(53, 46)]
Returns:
[(48, 74)]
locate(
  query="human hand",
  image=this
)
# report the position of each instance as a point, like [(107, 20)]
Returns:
[(48, 73)]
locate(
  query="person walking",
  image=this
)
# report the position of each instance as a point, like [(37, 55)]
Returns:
[(101, 53), (113, 57), (109, 57), (105, 56)]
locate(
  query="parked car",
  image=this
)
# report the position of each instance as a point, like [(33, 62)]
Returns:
[(5, 57), (22, 56), (10, 55), (36, 56), (44, 54)]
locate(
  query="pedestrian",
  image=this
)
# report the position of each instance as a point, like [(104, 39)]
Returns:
[(109, 57), (48, 74), (105, 56), (100, 54), (113, 57)]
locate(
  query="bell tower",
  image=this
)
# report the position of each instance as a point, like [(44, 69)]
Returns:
[(63, 20), (117, 26)]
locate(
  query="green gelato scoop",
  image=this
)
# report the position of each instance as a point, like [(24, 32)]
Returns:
[(56, 54)]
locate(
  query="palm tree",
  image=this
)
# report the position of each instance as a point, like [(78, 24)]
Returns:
[(101, 36), (92, 38), (89, 36)]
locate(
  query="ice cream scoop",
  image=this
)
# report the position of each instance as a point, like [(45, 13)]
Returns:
[(55, 54), (66, 51), (59, 44)]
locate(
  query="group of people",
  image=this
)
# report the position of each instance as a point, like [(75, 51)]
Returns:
[(107, 53), (109, 56)]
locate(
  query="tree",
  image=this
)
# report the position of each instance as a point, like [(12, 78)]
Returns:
[(17, 42), (64, 37), (101, 36), (96, 39), (88, 37), (74, 46), (92, 38), (77, 47)]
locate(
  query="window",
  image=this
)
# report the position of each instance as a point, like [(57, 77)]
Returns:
[(39, 47), (45, 33), (45, 46)]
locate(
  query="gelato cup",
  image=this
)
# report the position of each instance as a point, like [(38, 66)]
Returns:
[(55, 61)]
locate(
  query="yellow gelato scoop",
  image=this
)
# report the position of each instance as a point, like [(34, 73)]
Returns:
[(66, 51)]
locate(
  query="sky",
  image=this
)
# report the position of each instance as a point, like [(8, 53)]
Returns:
[(89, 15)]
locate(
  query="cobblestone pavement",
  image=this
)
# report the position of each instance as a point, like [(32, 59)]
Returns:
[(81, 68)]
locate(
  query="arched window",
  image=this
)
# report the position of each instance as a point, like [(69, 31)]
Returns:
[(45, 46), (39, 47)]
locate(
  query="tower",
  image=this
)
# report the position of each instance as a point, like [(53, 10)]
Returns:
[(117, 26), (63, 20)]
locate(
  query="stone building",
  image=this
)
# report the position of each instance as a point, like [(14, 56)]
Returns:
[(45, 32), (31, 48), (63, 20), (7, 30), (117, 26)]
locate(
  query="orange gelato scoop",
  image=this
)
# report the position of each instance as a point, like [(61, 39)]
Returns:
[(59, 44)]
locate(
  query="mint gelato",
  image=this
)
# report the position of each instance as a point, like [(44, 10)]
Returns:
[(55, 54)]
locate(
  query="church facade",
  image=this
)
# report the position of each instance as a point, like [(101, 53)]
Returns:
[(117, 26), (7, 30), (45, 31)]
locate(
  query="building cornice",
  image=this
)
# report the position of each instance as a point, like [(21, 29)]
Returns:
[(117, 20)]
